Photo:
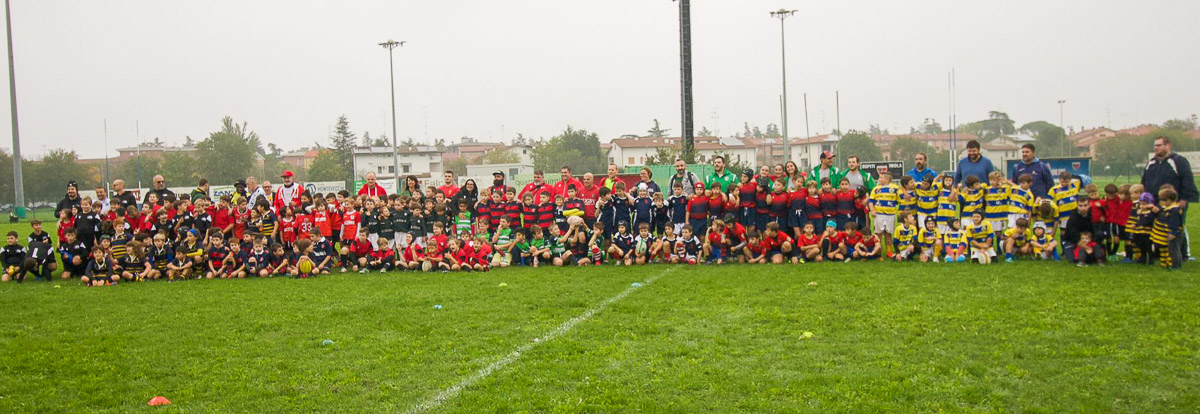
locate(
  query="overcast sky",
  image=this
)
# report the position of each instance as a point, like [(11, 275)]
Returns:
[(492, 69)]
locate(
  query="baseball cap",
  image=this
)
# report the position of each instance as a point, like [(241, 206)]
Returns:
[(700, 185), (287, 173), (827, 154), (240, 183), (748, 172), (500, 173)]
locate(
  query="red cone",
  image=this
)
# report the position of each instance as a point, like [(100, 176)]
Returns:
[(156, 401)]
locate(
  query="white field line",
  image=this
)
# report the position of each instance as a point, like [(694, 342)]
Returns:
[(453, 391)]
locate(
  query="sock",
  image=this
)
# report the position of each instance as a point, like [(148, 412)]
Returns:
[(1008, 256), (1055, 254)]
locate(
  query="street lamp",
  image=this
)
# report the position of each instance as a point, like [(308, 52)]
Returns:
[(389, 45), (1064, 127), (783, 14)]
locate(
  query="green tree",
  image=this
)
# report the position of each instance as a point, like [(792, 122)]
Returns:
[(996, 124), (1051, 139), (227, 155), (657, 131), (906, 149), (860, 144), (327, 167), (928, 126), (704, 132), (128, 171), (1186, 124), (51, 174), (179, 168), (457, 165), (772, 131), (342, 143), (575, 147), (665, 155)]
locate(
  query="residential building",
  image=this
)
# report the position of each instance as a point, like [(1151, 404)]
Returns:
[(300, 159), (637, 151), (419, 161)]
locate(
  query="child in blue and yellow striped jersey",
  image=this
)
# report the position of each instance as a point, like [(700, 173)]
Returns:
[(883, 205), (929, 241), (1044, 245), (906, 234), (970, 196), (947, 204), (1064, 195), (980, 237), (927, 198), (908, 195), (995, 199), (1020, 200), (1168, 229), (954, 243)]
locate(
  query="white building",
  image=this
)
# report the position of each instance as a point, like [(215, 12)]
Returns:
[(509, 170), (419, 161), (625, 152)]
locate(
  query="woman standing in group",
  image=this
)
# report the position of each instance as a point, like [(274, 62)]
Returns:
[(469, 194), (793, 175), (646, 181), (411, 186)]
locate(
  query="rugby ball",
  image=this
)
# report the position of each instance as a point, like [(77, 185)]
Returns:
[(641, 247), (575, 221), (305, 266)]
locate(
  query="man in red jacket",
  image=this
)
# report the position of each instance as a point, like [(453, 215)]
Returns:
[(537, 187), (289, 193), (565, 180), (371, 188)]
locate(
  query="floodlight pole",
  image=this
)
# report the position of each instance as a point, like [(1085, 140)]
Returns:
[(18, 180), (782, 15), (685, 80), (389, 45)]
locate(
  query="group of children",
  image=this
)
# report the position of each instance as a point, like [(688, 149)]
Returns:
[(758, 220)]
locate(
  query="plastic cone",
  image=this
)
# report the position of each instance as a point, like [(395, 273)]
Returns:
[(156, 401)]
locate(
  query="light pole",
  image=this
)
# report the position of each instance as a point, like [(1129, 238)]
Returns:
[(783, 14), (389, 45), (18, 181), (1064, 127)]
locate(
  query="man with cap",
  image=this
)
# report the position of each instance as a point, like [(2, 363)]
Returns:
[(71, 200), (371, 188), (826, 170), (239, 192), (289, 193), (498, 185)]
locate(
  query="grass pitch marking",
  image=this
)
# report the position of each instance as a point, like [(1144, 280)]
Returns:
[(453, 391)]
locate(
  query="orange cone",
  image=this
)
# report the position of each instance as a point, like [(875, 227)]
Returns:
[(156, 401)]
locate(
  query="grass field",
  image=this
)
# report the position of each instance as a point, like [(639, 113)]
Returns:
[(1035, 337)]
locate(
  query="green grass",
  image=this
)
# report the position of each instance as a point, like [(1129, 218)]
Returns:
[(1036, 337)]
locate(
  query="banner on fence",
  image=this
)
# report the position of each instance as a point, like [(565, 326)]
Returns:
[(876, 167)]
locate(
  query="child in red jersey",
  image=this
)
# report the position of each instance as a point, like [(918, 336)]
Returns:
[(844, 197), (868, 248), (755, 251), (812, 205), (808, 245), (716, 246), (828, 201), (852, 238), (833, 245)]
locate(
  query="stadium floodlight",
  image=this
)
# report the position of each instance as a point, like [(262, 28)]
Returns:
[(783, 14), (389, 45)]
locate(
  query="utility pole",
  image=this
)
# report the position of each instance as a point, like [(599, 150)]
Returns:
[(18, 180), (685, 80), (782, 15), (389, 45), (1063, 126)]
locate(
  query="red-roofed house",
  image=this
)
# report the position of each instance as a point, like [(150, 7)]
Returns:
[(635, 151), (1086, 141)]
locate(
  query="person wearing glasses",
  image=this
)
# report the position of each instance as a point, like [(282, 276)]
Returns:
[(160, 190)]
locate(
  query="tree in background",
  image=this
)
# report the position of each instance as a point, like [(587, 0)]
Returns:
[(860, 144), (497, 156), (342, 143), (179, 169), (663, 155), (704, 132), (1186, 124), (52, 173), (227, 155), (128, 171), (657, 131), (327, 166), (906, 149), (928, 126), (575, 147), (1051, 139), (996, 125), (772, 131), (1124, 155)]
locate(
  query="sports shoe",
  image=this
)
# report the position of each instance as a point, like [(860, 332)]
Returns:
[(362, 272), (382, 271), (1081, 264), (961, 259), (343, 270), (1008, 260)]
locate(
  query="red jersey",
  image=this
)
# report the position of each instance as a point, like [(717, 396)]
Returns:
[(63, 226), (1118, 210), (305, 223), (698, 209), (747, 193), (439, 241), (828, 204), (358, 248), (350, 222), (239, 222), (287, 229), (759, 248), (1099, 210), (334, 213), (812, 207), (852, 239), (221, 218), (869, 242), (845, 202), (464, 256), (808, 239), (836, 238), (384, 255), (735, 232), (777, 242), (413, 253), (320, 221)]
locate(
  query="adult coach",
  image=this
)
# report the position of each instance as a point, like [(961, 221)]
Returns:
[(255, 191), (720, 175), (589, 193), (1168, 167), (974, 164), (371, 188), (288, 194), (611, 178), (1030, 164), (858, 177), (201, 190), (537, 187), (565, 180), (826, 169), (71, 200), (687, 178), (921, 169), (160, 190), (124, 198), (449, 184)]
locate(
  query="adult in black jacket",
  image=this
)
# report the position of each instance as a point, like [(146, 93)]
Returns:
[(70, 200), (1078, 222), (1168, 167)]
